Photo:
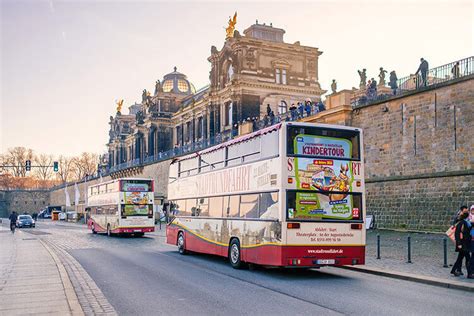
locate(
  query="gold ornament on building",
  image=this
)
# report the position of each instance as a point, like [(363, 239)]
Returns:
[(119, 105), (231, 27)]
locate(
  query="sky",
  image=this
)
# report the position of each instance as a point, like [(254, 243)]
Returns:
[(64, 63)]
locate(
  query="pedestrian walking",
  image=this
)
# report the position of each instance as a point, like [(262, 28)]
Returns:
[(471, 262), (462, 237), (423, 70), (455, 218)]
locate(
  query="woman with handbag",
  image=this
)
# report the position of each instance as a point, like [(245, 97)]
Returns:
[(462, 237)]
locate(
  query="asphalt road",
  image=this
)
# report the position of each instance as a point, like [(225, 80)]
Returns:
[(144, 276)]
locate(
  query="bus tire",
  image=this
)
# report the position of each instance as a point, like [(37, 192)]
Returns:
[(181, 242), (93, 229), (235, 254), (109, 232)]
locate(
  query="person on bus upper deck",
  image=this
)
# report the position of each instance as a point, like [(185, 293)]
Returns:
[(269, 109), (293, 111)]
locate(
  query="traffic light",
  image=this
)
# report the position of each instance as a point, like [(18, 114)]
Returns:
[(28, 165), (55, 166)]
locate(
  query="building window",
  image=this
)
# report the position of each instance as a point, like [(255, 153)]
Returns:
[(168, 85), (183, 85), (280, 76), (282, 107), (188, 131), (200, 128)]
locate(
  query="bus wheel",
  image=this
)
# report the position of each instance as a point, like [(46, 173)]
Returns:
[(234, 254), (181, 248), (93, 229), (109, 233)]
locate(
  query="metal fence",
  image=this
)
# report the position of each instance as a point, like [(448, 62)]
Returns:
[(435, 76)]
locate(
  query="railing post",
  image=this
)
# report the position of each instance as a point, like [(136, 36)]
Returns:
[(445, 253), (378, 246), (409, 249)]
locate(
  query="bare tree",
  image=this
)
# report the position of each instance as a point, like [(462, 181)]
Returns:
[(65, 171), (44, 168), (85, 164), (16, 158)]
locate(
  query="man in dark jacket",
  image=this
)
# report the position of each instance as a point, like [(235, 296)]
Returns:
[(463, 244), (13, 217), (423, 70)]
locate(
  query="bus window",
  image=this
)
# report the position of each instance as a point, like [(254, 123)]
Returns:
[(190, 207), (231, 206), (202, 208), (215, 206), (249, 206), (268, 205), (269, 144)]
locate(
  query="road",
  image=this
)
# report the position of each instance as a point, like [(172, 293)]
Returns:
[(144, 276)]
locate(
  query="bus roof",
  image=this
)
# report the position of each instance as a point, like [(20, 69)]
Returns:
[(115, 180), (263, 131)]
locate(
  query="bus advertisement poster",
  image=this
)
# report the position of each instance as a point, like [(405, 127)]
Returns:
[(130, 210), (312, 205), (136, 197)]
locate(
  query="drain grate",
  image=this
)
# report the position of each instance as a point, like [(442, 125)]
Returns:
[(30, 238)]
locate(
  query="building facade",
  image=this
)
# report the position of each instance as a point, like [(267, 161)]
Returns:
[(248, 73)]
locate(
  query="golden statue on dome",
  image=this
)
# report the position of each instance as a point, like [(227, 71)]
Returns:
[(231, 27), (119, 105)]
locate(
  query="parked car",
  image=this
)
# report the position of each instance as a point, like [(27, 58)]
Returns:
[(25, 221), (71, 216), (62, 216)]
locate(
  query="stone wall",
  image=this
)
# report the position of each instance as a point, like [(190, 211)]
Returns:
[(22, 201), (419, 156)]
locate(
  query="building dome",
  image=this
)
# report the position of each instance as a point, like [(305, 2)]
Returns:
[(176, 82)]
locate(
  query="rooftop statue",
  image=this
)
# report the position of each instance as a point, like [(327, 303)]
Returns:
[(382, 76), (363, 78), (119, 106), (158, 87), (334, 86), (231, 27), (144, 95)]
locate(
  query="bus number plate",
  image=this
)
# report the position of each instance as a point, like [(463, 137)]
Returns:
[(137, 230), (325, 261)]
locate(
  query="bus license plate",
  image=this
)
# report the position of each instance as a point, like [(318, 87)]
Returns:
[(326, 261), (137, 230)]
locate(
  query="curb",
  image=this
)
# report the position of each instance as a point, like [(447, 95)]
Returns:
[(451, 284), (71, 296)]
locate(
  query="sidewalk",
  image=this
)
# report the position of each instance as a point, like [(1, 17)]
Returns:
[(426, 256), (32, 279)]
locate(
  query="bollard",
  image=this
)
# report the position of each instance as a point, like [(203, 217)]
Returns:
[(409, 249), (445, 250), (378, 246)]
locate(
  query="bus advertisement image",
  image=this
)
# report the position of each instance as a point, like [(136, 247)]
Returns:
[(288, 195)]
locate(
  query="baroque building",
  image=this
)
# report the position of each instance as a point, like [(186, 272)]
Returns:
[(248, 73)]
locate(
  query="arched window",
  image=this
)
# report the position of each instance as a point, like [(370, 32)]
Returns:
[(282, 107)]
